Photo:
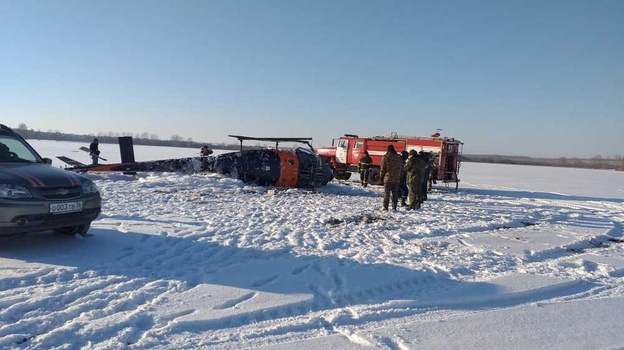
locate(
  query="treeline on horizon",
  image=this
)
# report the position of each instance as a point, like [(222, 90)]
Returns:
[(110, 137), (596, 162)]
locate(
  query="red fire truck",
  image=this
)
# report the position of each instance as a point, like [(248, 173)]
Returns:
[(345, 153)]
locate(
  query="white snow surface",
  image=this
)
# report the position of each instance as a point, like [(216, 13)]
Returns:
[(518, 258)]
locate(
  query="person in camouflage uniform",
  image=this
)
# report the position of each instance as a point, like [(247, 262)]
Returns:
[(427, 158), (434, 173), (205, 151), (364, 166), (391, 169), (415, 168), (403, 192)]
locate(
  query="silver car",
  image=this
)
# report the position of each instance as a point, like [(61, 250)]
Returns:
[(34, 196)]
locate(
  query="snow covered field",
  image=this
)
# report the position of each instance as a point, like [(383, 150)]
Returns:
[(519, 258)]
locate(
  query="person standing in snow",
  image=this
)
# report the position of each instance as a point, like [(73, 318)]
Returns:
[(427, 159), (94, 151), (391, 169), (403, 184), (415, 169), (364, 167), (434, 173)]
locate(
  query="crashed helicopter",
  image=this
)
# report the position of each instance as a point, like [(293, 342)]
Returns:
[(298, 168)]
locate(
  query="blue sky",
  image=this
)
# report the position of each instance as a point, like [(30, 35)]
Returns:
[(531, 77)]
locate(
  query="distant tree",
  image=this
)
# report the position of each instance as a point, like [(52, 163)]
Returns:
[(619, 163), (598, 162), (22, 129), (154, 137), (145, 135), (575, 162), (190, 139), (176, 138)]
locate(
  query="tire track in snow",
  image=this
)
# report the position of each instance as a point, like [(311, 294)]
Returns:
[(181, 264), (88, 301)]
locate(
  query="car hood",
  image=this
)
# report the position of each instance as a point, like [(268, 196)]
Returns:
[(37, 175)]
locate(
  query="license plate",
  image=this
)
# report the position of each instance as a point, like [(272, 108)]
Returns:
[(69, 207)]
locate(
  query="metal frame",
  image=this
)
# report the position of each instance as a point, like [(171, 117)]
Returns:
[(277, 140)]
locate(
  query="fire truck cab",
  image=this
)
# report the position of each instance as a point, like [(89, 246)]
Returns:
[(346, 152)]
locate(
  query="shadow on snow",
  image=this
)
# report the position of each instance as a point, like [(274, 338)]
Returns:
[(538, 195), (329, 282)]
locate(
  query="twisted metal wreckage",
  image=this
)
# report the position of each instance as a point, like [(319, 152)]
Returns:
[(300, 167)]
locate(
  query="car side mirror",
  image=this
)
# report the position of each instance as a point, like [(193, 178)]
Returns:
[(47, 161)]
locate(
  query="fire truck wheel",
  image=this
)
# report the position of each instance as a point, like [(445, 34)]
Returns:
[(374, 178), (342, 175)]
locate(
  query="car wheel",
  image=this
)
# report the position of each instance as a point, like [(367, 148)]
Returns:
[(73, 230)]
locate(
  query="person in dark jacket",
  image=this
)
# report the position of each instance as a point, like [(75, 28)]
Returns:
[(364, 166), (205, 151), (434, 173), (427, 158), (94, 151), (391, 169), (415, 168), (403, 184), (5, 153)]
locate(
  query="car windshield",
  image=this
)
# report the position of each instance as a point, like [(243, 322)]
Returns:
[(14, 150)]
